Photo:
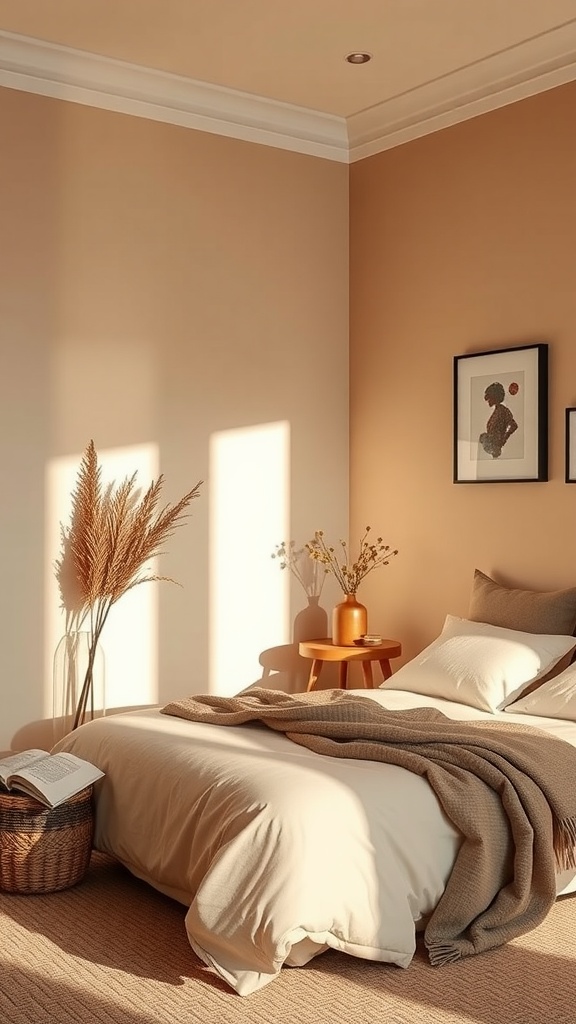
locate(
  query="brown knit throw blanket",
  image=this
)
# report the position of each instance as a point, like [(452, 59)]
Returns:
[(509, 790)]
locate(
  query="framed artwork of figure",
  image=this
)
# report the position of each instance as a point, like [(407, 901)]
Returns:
[(501, 415)]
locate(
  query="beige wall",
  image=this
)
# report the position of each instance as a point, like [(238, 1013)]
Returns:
[(159, 285), (461, 241)]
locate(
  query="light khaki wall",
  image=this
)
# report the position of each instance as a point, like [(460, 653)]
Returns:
[(461, 241), (159, 285)]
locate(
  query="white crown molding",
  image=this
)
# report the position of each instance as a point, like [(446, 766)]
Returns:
[(534, 66), (541, 63), (32, 65)]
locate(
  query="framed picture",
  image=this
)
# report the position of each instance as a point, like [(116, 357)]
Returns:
[(571, 446), (501, 415)]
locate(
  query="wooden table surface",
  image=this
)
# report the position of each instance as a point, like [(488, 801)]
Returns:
[(324, 650)]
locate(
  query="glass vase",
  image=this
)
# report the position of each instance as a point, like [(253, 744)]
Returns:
[(78, 683), (349, 621)]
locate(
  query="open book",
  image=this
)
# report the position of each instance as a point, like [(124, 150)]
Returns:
[(49, 778)]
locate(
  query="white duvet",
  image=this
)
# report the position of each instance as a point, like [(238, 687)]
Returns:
[(278, 852)]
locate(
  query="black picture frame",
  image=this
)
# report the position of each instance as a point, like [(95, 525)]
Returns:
[(509, 444), (570, 446)]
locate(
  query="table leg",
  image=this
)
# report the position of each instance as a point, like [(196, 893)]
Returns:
[(314, 673), (367, 675), (385, 666), (343, 674)]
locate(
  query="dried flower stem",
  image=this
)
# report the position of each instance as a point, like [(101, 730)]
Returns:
[(111, 538), (350, 574), (295, 561)]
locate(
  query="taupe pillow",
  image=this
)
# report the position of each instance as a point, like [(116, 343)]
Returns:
[(528, 610)]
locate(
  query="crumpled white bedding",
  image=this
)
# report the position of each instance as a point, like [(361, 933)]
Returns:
[(278, 852)]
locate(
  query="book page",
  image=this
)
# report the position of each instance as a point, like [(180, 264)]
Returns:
[(53, 779), (50, 769), (14, 762)]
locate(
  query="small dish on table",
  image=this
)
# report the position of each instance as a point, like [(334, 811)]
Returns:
[(369, 640)]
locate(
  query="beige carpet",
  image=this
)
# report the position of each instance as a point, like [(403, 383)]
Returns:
[(112, 950)]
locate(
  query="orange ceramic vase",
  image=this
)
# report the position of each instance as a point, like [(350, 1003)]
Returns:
[(349, 621)]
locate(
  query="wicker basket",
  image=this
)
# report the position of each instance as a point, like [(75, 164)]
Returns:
[(44, 849)]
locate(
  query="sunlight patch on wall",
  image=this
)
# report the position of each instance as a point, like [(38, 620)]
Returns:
[(249, 509), (130, 635)]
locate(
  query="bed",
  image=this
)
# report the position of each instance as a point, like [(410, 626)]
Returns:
[(279, 852)]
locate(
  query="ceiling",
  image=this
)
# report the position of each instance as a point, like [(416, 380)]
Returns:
[(274, 71)]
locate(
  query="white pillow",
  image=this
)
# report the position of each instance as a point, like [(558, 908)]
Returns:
[(555, 698), (480, 665)]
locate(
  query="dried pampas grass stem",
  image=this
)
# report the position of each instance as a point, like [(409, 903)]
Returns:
[(105, 551)]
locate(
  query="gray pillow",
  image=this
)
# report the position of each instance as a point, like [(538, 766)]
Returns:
[(530, 611)]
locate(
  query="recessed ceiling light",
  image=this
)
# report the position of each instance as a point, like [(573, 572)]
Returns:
[(358, 57)]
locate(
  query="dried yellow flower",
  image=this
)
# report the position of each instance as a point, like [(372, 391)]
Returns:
[(349, 574)]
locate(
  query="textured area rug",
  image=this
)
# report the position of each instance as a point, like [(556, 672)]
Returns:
[(114, 951)]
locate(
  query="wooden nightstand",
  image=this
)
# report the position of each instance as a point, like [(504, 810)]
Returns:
[(324, 650)]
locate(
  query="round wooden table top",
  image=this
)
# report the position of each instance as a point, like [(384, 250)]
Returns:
[(325, 650)]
